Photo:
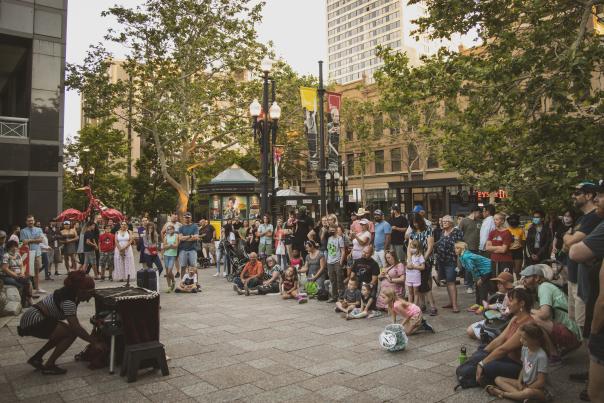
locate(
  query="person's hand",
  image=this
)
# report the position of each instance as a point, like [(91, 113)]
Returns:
[(478, 373), (479, 283)]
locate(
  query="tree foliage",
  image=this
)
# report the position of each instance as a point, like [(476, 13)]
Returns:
[(521, 111)]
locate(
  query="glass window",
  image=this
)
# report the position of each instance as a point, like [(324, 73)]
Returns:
[(395, 159), (432, 161), (379, 161), (350, 164)]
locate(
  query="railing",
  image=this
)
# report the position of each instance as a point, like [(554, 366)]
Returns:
[(13, 127)]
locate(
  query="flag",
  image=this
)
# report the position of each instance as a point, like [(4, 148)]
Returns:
[(308, 96), (277, 155), (334, 101)]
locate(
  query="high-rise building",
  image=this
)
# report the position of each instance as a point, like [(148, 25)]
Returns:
[(356, 27), (32, 69)]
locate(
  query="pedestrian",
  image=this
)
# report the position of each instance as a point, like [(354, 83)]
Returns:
[(69, 238), (106, 247), (498, 245), (207, 234), (447, 259), (398, 226), (413, 320), (31, 236), (381, 241), (151, 245), (488, 225), (518, 242), (265, 235), (170, 250), (539, 240), (423, 234), (336, 255), (470, 227), (187, 243), (360, 239), (123, 256), (280, 249), (392, 276)]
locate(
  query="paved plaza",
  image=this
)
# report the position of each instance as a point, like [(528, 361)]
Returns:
[(225, 347)]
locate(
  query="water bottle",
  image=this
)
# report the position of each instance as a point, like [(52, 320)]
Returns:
[(462, 355)]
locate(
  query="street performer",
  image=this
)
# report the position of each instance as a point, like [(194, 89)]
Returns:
[(46, 320)]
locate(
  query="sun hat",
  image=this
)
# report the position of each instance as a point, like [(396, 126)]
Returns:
[(361, 211), (506, 278), (532, 270)]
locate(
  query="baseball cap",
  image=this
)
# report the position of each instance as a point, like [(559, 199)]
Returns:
[(395, 207), (505, 277), (586, 186), (378, 212), (66, 222), (187, 214), (532, 270), (418, 208), (364, 221)]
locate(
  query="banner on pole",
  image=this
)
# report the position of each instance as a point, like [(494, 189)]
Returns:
[(277, 155), (308, 96), (334, 102)]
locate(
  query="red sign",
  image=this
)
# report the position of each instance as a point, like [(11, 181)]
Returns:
[(334, 101), (501, 194)]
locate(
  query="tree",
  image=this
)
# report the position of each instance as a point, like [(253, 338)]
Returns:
[(522, 111), (186, 64), (100, 149)]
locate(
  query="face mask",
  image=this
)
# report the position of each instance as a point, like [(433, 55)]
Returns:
[(413, 251), (567, 220), (536, 220)]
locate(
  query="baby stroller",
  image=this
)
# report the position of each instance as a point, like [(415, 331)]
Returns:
[(236, 256), (202, 261)]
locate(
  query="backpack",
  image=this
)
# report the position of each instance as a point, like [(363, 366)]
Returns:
[(466, 375), (311, 288), (322, 294)]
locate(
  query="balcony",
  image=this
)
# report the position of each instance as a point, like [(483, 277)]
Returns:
[(11, 127)]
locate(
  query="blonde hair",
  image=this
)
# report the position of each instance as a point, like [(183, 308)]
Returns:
[(414, 243), (461, 245), (389, 295)]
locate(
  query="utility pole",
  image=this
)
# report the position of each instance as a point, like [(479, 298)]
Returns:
[(322, 170)]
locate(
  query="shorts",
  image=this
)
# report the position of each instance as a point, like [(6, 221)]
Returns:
[(413, 321), (596, 348), (265, 249), (499, 267), (413, 278), (517, 254), (169, 261), (447, 272), (563, 339), (477, 327), (90, 258), (106, 260), (41, 330), (209, 246), (426, 276), (187, 258)]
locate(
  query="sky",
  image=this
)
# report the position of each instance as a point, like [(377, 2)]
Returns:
[(283, 20)]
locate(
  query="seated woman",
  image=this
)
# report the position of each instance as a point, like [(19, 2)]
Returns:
[(501, 357), (272, 276), (392, 277), (188, 282), (13, 273), (46, 320)]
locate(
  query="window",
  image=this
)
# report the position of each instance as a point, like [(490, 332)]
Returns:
[(378, 126), (395, 159), (379, 161), (349, 135), (432, 161), (413, 157), (350, 164)]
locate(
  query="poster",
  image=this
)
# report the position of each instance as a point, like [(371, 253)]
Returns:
[(234, 207), (215, 208), (217, 226), (308, 96), (254, 207), (334, 102)]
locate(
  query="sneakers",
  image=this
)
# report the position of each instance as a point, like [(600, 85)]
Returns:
[(469, 290), (427, 327), (53, 370), (224, 274), (433, 311), (479, 310), (216, 274), (177, 275), (237, 289), (246, 289)]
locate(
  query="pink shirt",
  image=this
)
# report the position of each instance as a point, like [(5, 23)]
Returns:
[(410, 311)]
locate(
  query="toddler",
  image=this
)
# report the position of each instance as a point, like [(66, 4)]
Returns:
[(352, 298), (295, 261), (415, 264), (188, 282), (367, 304), (411, 313), (289, 284)]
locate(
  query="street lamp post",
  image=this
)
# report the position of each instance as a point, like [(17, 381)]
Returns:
[(333, 178), (322, 170), (264, 123), (344, 195)]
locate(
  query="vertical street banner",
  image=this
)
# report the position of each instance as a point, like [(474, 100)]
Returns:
[(334, 102), (308, 96), (277, 155)]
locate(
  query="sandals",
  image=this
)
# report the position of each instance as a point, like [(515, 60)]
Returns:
[(494, 391), (53, 370)]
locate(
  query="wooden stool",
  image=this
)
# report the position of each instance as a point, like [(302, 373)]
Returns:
[(145, 354)]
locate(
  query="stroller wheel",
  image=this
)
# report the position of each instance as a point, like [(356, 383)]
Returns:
[(229, 278)]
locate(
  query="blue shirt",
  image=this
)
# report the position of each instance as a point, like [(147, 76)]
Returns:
[(477, 265), (382, 229), (32, 233), (186, 230)]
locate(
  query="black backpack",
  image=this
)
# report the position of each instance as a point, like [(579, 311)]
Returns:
[(466, 375), (322, 294)]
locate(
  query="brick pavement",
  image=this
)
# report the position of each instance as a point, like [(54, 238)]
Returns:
[(225, 347)]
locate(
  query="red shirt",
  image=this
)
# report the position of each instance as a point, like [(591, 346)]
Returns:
[(107, 242), (252, 270), (500, 238)]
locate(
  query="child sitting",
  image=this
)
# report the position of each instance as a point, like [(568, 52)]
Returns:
[(415, 265), (289, 284), (498, 302), (367, 304), (352, 298), (188, 282), (532, 379), (411, 313), (295, 260)]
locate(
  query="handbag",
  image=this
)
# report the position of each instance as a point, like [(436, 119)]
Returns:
[(280, 248), (152, 250)]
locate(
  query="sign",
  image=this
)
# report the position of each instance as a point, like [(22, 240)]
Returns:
[(306, 201), (291, 203), (334, 102), (308, 97), (501, 194)]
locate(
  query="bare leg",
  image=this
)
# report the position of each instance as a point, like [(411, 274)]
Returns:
[(596, 379), (452, 291)]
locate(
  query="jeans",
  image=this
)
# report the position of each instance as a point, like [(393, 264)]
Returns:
[(45, 264), (254, 282), (187, 258), (151, 259), (20, 283), (380, 257), (505, 367), (447, 271), (336, 278)]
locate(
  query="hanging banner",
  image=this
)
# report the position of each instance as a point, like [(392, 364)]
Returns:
[(277, 155), (308, 96), (334, 102)]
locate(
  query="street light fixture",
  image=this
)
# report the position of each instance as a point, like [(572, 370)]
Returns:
[(266, 65), (255, 108), (275, 111)]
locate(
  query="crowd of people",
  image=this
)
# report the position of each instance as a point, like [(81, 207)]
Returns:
[(542, 276)]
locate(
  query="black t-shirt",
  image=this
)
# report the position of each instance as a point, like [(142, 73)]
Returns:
[(207, 233), (365, 269), (398, 238), (303, 227), (89, 235), (585, 224), (321, 239)]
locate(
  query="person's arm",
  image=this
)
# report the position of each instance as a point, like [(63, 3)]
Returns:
[(78, 330), (502, 350), (570, 239), (366, 306), (260, 274), (544, 312), (8, 271), (580, 252), (597, 324), (539, 382), (430, 247), (364, 241), (244, 271), (387, 241), (321, 268)]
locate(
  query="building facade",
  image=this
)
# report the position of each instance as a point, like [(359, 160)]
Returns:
[(32, 69), (356, 27)]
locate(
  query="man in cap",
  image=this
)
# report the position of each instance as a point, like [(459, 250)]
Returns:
[(188, 235), (398, 225), (381, 242), (590, 251), (552, 312)]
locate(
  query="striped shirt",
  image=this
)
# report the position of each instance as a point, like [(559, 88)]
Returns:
[(33, 316)]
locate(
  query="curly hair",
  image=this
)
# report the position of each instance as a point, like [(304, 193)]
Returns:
[(78, 280)]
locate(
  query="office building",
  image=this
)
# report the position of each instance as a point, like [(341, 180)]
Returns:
[(32, 69)]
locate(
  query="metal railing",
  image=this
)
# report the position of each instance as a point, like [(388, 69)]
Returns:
[(13, 127)]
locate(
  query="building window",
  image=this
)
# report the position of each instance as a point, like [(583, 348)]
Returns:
[(432, 161), (379, 161), (350, 164), (413, 157), (395, 159), (349, 135)]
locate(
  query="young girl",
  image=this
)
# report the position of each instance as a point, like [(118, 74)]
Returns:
[(411, 313), (289, 284), (367, 304), (415, 265), (532, 379), (498, 301), (170, 250), (295, 260)]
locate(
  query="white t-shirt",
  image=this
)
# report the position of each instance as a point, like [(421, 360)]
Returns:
[(188, 279), (357, 248)]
